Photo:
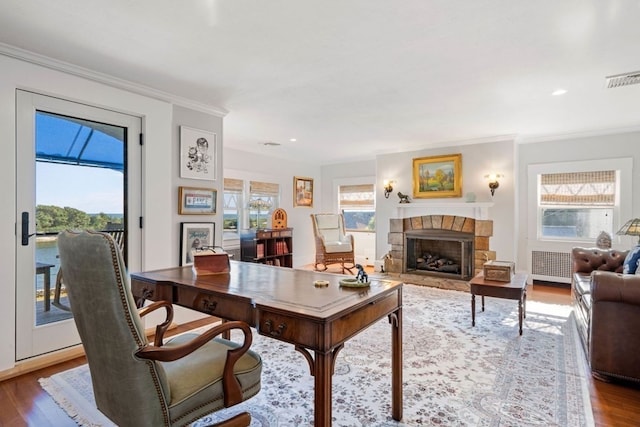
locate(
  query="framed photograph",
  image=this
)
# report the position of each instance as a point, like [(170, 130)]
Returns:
[(195, 235), (197, 201), (437, 176), (303, 192), (197, 154)]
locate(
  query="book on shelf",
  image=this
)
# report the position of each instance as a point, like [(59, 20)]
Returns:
[(260, 250)]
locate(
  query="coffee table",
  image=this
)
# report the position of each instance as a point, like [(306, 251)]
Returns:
[(516, 289)]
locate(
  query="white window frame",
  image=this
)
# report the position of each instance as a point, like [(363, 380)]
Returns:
[(623, 199)]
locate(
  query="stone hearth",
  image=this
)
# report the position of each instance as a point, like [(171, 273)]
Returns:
[(482, 230)]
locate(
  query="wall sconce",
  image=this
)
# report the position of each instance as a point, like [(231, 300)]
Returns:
[(388, 188), (493, 181)]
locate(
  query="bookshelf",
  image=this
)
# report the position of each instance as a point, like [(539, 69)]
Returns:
[(267, 246)]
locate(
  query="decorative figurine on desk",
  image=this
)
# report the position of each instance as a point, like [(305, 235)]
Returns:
[(404, 198), (361, 277)]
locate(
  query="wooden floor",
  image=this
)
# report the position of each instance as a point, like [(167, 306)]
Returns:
[(24, 403)]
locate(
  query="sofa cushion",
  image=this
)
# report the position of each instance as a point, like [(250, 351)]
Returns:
[(631, 261), (582, 283)]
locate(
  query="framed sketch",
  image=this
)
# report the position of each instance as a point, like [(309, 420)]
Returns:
[(437, 176), (197, 201), (197, 154), (195, 235), (303, 192)]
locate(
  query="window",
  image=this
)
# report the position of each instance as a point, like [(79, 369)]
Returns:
[(357, 204), (232, 204), (576, 205), (263, 199)]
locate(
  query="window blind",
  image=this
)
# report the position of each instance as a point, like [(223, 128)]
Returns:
[(357, 197), (264, 188), (232, 184), (578, 188)]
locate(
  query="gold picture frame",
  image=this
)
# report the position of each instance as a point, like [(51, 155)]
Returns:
[(197, 201), (302, 192), (437, 176)]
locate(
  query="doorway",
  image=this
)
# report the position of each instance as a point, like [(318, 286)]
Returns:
[(78, 167)]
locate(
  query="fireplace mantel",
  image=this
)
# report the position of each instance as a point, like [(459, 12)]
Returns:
[(477, 210)]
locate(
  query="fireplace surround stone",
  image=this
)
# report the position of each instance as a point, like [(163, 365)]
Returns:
[(482, 230)]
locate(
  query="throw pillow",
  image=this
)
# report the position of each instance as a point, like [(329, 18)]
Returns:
[(631, 261)]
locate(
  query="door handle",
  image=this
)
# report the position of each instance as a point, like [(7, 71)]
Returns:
[(25, 229)]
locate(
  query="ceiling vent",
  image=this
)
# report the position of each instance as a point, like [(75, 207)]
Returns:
[(269, 144), (625, 79)]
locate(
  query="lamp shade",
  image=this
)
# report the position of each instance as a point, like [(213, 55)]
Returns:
[(630, 228)]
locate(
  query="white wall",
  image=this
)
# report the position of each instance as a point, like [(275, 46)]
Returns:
[(160, 235), (258, 167), (478, 160), (613, 146)]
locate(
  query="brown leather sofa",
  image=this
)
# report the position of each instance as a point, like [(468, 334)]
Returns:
[(607, 312)]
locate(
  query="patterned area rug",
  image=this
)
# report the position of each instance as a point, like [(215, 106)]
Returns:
[(454, 375)]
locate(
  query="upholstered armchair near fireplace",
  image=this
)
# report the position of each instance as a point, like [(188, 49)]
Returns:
[(333, 245)]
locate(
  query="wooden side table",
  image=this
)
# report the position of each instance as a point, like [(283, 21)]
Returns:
[(516, 289)]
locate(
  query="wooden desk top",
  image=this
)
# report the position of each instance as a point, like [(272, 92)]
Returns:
[(287, 289)]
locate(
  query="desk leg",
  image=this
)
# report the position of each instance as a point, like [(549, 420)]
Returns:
[(323, 380), (482, 302), (396, 364), (473, 309)]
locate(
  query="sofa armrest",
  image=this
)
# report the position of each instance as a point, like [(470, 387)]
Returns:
[(615, 287)]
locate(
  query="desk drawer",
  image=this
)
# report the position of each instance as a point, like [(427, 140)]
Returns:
[(150, 291), (351, 324), (291, 329), (215, 304)]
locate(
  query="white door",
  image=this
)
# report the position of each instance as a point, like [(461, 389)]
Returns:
[(78, 166)]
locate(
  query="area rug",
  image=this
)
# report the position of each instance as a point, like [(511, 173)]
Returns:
[(454, 374)]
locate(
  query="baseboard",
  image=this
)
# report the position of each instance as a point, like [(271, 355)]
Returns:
[(552, 284)]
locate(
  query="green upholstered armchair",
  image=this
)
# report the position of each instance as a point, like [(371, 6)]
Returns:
[(333, 245), (137, 383)]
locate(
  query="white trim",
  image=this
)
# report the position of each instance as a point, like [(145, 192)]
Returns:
[(54, 64), (532, 139)]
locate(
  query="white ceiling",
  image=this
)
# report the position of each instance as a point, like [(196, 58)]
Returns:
[(355, 78)]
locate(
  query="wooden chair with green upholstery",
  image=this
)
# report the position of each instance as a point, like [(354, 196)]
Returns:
[(135, 382)]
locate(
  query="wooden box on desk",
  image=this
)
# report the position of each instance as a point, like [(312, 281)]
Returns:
[(499, 271), (210, 262)]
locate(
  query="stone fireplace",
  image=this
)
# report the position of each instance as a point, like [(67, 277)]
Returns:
[(439, 250), (443, 253)]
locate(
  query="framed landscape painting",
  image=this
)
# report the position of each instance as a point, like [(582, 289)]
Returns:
[(195, 235), (197, 154), (303, 192), (437, 176)]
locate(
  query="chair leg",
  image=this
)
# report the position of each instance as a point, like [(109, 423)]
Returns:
[(56, 295), (241, 420)]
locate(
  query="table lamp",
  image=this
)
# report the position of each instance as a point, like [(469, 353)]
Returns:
[(631, 228)]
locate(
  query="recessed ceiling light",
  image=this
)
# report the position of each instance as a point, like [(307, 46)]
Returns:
[(558, 92), (293, 140)]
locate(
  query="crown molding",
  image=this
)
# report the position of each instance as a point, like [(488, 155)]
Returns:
[(67, 68), (532, 139)]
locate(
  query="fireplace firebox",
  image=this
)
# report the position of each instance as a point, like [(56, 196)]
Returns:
[(441, 253)]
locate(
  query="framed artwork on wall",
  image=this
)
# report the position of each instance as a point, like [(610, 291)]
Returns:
[(197, 154), (303, 192), (197, 201), (195, 235), (437, 176)]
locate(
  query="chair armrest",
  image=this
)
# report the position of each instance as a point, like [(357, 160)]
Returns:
[(615, 287), (231, 386), (162, 327)]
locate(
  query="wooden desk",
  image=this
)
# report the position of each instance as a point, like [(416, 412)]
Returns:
[(516, 289), (284, 304), (45, 269)]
